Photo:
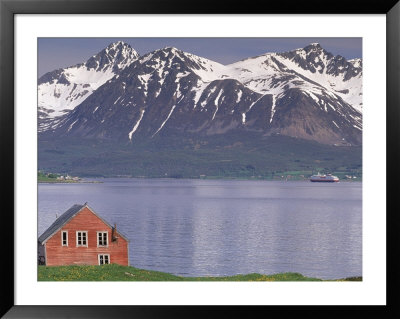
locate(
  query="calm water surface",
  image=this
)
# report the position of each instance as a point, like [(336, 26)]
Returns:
[(219, 227)]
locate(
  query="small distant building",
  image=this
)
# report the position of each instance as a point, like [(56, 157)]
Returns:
[(81, 237)]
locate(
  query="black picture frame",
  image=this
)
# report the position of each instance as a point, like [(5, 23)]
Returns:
[(8, 10)]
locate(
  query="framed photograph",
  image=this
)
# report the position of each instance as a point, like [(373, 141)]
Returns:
[(185, 143)]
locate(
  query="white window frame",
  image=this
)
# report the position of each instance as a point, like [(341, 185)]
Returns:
[(62, 238), (102, 232), (87, 238), (98, 259)]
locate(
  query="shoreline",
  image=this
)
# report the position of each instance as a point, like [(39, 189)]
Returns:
[(71, 182), (115, 272), (182, 179), (98, 179)]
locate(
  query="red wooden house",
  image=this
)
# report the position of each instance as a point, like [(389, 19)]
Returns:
[(81, 237)]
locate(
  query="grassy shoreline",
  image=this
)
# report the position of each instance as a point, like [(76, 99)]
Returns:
[(303, 175), (67, 182), (115, 272), (52, 178)]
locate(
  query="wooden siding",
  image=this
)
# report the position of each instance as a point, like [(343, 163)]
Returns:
[(57, 255)]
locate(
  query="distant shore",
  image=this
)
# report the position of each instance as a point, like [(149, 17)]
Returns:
[(54, 178), (97, 179), (69, 182), (304, 175), (293, 177)]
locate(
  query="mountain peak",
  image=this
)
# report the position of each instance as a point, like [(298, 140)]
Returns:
[(170, 48), (313, 47), (116, 55), (64, 89), (118, 45)]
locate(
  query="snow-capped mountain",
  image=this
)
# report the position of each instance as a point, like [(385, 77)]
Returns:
[(62, 90), (306, 93), (311, 68)]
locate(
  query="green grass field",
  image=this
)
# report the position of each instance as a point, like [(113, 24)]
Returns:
[(115, 272)]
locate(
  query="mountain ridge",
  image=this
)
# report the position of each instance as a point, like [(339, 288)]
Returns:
[(172, 89)]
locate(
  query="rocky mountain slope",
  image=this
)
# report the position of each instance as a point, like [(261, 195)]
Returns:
[(116, 95), (62, 90)]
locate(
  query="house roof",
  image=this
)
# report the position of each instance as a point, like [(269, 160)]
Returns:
[(64, 218)]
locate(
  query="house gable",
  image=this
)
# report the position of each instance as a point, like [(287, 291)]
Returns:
[(66, 218)]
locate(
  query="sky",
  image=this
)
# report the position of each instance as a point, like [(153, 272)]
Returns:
[(55, 53)]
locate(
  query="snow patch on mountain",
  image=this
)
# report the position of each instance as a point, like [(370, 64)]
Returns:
[(165, 121), (62, 90), (136, 125), (273, 108)]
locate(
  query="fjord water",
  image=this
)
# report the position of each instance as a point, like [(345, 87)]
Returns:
[(225, 227)]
